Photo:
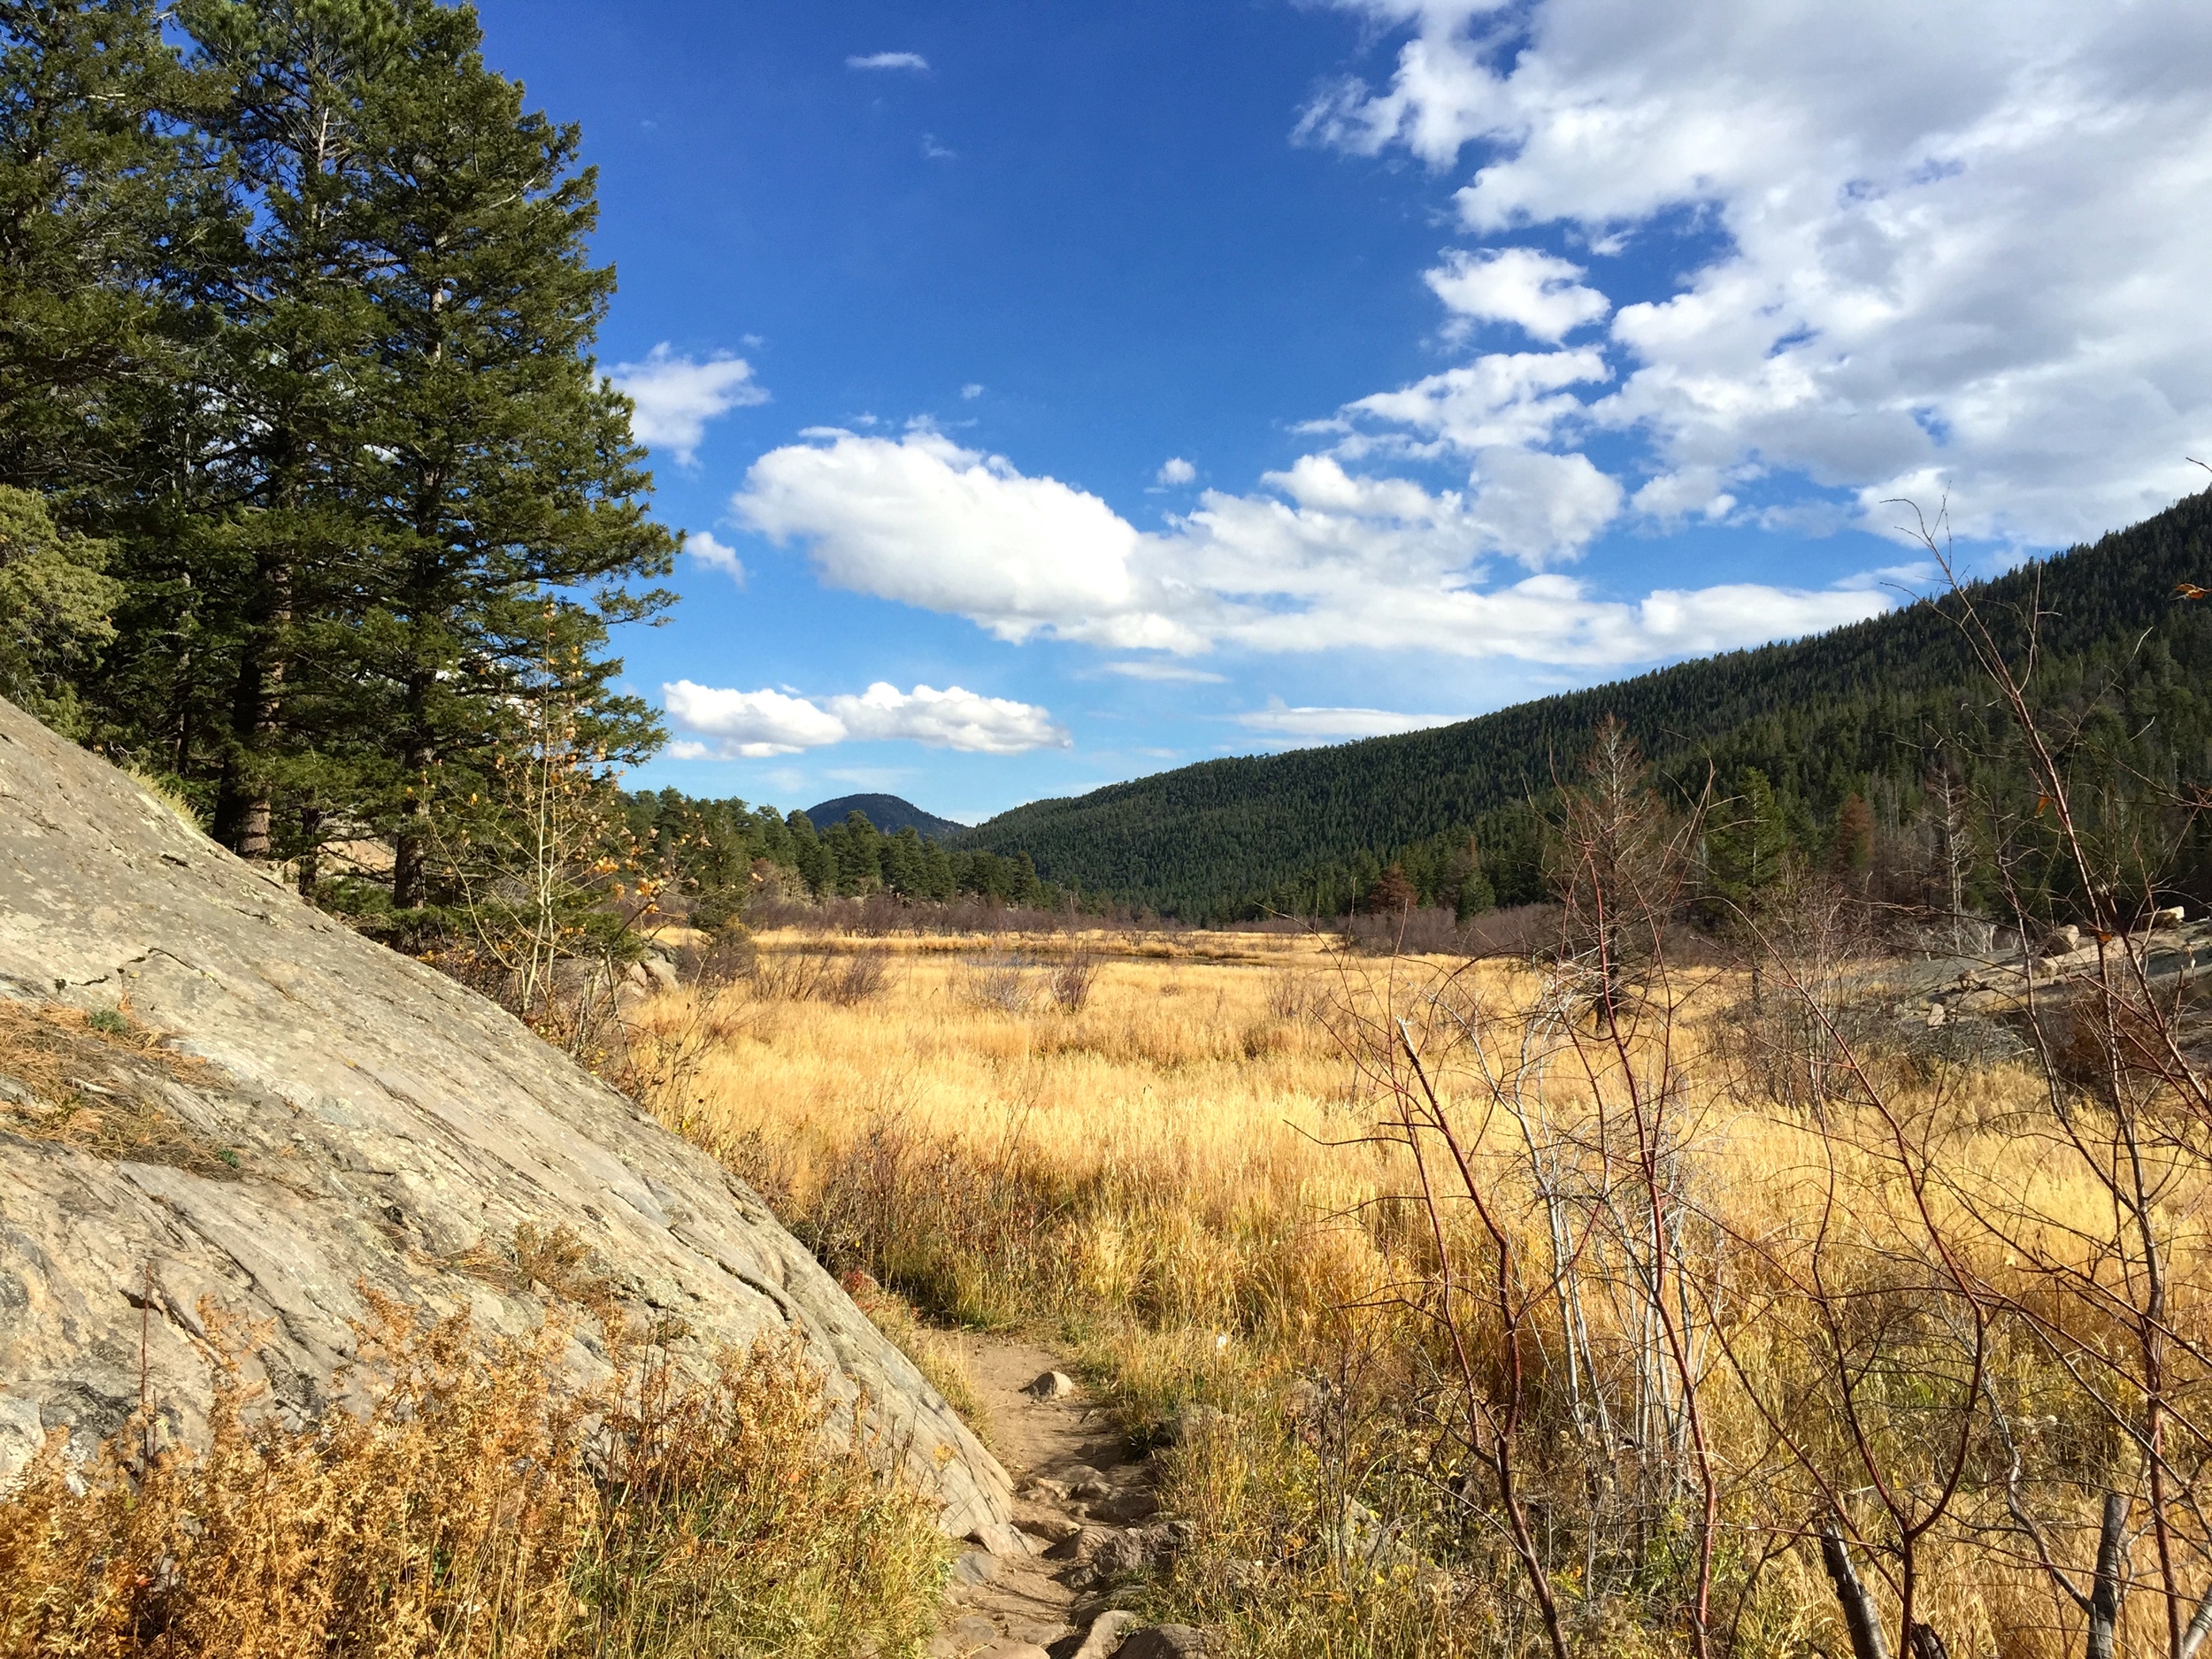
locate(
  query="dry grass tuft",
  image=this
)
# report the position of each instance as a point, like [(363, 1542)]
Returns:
[(96, 1079), (475, 1508)]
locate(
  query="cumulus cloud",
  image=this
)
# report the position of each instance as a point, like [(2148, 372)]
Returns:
[(1501, 399), (1542, 293), (889, 60), (753, 724), (1176, 470), (972, 389), (928, 523), (701, 546), (1335, 725), (1321, 557), (1963, 246), (676, 396)]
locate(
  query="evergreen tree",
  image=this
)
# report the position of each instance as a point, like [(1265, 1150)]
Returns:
[(1745, 843), (55, 602), (270, 537), (508, 495), (1851, 849), (98, 197), (1389, 895)]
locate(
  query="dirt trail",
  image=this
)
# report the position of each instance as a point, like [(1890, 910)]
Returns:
[(1081, 1498)]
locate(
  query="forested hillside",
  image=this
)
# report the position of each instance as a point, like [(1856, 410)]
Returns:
[(719, 855), (1892, 712), (888, 813)]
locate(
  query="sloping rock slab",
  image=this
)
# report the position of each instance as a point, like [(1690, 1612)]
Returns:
[(359, 1119)]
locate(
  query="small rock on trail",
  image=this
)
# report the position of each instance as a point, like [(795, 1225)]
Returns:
[(1077, 1486)]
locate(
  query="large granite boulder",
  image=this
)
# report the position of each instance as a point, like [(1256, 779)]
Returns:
[(335, 1116)]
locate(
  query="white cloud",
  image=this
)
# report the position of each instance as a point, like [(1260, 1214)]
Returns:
[(1176, 470), (1336, 725), (1541, 293), (1173, 673), (1504, 398), (889, 60), (925, 522), (752, 724), (972, 389), (676, 396), (1963, 246), (701, 546), (1322, 559)]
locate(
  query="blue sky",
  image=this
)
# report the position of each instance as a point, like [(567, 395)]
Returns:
[(1054, 394)]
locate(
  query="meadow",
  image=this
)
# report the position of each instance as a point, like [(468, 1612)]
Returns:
[(1468, 1323)]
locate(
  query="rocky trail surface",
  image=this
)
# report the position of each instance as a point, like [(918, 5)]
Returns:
[(1087, 1508)]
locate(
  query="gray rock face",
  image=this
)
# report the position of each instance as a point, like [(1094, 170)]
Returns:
[(359, 1119)]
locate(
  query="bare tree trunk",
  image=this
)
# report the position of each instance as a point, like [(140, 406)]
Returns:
[(411, 846), (1861, 1617), (242, 803), (310, 850), (2104, 1593)]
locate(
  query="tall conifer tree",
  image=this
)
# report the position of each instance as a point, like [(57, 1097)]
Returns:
[(98, 198), (506, 495)]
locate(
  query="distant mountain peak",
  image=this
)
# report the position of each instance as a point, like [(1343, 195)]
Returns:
[(889, 813)]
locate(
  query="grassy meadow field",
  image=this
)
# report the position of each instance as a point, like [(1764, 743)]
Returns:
[(1467, 1326)]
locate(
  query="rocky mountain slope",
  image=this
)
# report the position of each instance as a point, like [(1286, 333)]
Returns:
[(215, 1100)]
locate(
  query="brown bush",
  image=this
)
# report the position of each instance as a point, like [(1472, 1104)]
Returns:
[(475, 1508), (1070, 978)]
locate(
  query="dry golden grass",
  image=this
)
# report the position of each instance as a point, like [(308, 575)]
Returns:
[(478, 1510), (1184, 1179), (95, 1080)]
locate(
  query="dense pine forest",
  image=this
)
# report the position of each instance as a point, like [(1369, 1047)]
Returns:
[(314, 507), (1861, 747)]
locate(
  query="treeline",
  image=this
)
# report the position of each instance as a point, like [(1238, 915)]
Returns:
[(313, 504), (1875, 735), (718, 856)]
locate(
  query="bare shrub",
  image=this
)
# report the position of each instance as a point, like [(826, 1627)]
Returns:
[(728, 956), (1294, 995), (1070, 978), (1432, 931), (1002, 980), (821, 975), (864, 975), (1811, 947), (793, 976)]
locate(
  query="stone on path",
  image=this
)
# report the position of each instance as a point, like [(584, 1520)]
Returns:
[(1105, 1634), (1163, 1641)]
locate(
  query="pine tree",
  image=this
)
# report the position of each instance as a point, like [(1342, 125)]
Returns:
[(54, 603), (245, 550), (1747, 842), (1466, 887), (507, 493), (1851, 850), (1389, 895), (97, 197)]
